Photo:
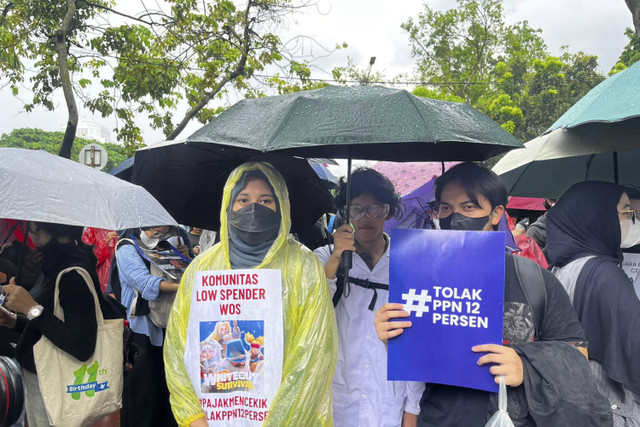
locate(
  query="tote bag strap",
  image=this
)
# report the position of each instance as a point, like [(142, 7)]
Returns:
[(57, 308)]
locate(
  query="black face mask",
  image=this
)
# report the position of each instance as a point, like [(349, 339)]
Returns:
[(458, 221), (255, 223)]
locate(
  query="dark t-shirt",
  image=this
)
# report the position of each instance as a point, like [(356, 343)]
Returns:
[(443, 405)]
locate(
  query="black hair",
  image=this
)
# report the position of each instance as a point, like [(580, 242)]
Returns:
[(153, 226), (476, 181), (370, 181), (53, 249)]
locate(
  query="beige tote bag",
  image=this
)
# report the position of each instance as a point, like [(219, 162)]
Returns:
[(77, 393)]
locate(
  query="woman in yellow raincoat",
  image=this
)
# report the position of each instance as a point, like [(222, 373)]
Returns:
[(254, 233)]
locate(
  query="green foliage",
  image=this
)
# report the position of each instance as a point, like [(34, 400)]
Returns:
[(38, 139), (470, 54), (428, 93), (192, 53), (630, 55), (454, 48), (27, 33), (350, 74)]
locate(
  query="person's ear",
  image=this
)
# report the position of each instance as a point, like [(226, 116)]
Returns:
[(496, 215)]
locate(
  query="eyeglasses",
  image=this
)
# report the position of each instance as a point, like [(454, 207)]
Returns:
[(630, 214), (155, 234), (374, 211)]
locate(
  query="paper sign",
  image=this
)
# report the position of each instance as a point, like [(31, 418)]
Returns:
[(452, 283), (631, 266), (234, 350)]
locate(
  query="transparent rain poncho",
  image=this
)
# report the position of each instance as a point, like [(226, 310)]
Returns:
[(310, 346)]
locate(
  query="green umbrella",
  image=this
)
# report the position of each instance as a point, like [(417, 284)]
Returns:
[(363, 122), (615, 99), (552, 163)]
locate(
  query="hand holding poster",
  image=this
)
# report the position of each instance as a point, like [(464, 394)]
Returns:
[(452, 284), (234, 348)]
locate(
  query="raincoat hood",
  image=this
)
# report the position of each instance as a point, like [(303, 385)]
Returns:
[(279, 187), (585, 222)]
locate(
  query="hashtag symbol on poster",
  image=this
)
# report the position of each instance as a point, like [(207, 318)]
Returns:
[(417, 303)]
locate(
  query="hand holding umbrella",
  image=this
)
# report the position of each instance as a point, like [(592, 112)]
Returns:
[(343, 240)]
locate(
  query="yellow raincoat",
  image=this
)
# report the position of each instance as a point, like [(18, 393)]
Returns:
[(310, 346)]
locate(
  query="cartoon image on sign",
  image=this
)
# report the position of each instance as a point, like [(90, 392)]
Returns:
[(231, 358)]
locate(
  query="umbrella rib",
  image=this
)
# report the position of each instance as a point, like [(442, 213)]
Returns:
[(283, 122), (424, 122)]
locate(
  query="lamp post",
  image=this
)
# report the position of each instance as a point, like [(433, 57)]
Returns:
[(371, 62)]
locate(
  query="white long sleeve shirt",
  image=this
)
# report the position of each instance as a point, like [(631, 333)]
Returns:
[(362, 396)]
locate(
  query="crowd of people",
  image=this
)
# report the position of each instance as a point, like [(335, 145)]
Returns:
[(571, 360)]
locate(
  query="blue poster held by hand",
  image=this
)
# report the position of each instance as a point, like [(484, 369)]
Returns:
[(452, 284)]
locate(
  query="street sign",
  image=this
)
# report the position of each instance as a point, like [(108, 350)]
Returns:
[(93, 155)]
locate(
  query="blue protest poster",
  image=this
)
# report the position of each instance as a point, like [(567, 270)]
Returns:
[(452, 283)]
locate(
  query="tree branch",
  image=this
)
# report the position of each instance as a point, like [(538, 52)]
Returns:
[(65, 79)]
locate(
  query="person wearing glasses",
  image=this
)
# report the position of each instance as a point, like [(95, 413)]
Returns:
[(362, 396), (586, 232), (143, 284)]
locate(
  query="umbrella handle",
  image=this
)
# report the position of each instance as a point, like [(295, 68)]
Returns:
[(346, 261)]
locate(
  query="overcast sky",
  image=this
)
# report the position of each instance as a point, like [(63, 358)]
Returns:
[(372, 28)]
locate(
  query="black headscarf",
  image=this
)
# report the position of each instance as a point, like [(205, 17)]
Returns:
[(585, 222)]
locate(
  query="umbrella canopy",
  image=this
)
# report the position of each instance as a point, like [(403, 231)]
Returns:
[(363, 122), (409, 176), (188, 179), (329, 179), (526, 203), (38, 186), (552, 163), (124, 169), (615, 99)]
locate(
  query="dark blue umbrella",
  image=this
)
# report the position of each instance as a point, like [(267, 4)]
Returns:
[(124, 169), (328, 179)]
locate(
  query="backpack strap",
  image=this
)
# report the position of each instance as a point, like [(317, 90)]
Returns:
[(142, 305), (363, 283), (531, 282), (339, 289)]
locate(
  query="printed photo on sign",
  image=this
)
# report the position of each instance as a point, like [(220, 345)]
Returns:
[(232, 355)]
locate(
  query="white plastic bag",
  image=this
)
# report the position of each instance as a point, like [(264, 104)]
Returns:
[(501, 417)]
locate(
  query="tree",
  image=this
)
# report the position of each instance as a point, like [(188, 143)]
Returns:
[(37, 139), (634, 8), (630, 54), (149, 63), (43, 32), (470, 54), (454, 49)]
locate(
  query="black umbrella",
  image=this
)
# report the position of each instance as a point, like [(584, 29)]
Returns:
[(188, 180)]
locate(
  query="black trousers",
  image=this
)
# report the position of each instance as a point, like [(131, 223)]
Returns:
[(145, 400)]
